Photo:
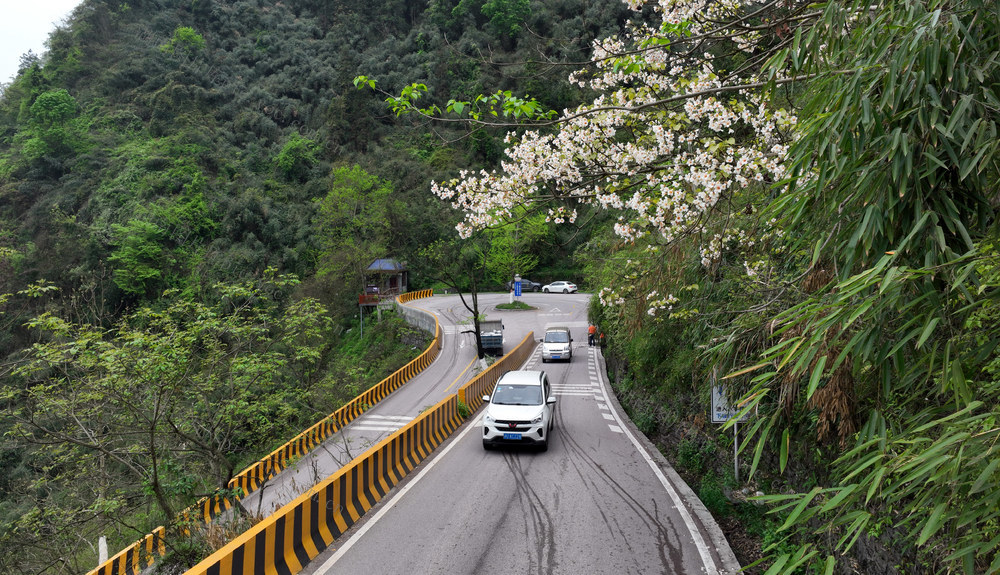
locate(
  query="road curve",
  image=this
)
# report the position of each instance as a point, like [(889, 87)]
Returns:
[(601, 500)]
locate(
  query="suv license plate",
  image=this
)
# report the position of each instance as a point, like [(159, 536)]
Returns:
[(512, 436), (555, 356)]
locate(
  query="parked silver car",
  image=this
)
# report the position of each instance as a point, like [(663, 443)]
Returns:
[(526, 285)]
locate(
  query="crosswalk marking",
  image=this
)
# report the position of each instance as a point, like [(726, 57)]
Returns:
[(362, 427), (376, 422)]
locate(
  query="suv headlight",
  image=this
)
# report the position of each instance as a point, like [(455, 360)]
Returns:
[(537, 419), (488, 420)]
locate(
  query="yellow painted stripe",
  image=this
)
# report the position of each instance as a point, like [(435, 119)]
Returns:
[(460, 375), (307, 529), (324, 528), (269, 544), (291, 559)]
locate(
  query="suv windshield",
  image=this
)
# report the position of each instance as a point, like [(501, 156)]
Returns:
[(518, 395), (557, 337)]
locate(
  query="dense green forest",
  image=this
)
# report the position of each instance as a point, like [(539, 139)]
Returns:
[(794, 200)]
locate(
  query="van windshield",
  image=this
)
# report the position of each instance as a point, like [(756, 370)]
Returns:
[(557, 337), (518, 395)]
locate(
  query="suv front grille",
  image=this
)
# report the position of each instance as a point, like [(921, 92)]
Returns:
[(502, 425)]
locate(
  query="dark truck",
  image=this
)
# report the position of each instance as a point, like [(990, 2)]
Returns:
[(491, 336)]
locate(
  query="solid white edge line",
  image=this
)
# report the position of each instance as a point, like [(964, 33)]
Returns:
[(392, 502), (699, 541)]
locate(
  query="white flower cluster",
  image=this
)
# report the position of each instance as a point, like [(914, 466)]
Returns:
[(610, 298), (712, 251), (659, 145), (561, 215), (656, 304)]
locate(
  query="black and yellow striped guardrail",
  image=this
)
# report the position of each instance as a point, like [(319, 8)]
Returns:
[(298, 532), (136, 557), (253, 477), (471, 394), (294, 535), (142, 553)]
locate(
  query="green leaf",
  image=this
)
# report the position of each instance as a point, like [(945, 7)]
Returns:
[(817, 374), (835, 501), (783, 460), (984, 477), (928, 330), (876, 483), (803, 503), (933, 524)]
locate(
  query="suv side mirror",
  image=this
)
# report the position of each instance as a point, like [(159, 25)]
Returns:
[(486, 398)]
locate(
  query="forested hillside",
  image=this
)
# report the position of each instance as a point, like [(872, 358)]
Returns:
[(792, 200)]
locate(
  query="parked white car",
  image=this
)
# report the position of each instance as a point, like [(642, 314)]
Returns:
[(560, 287), (520, 411)]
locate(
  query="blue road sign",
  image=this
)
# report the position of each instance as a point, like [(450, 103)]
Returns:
[(721, 410)]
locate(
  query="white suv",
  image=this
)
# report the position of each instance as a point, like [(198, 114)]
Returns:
[(520, 412)]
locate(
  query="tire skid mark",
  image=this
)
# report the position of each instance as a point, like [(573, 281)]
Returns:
[(542, 558), (669, 547)]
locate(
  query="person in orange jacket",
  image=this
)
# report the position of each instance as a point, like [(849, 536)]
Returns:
[(591, 332)]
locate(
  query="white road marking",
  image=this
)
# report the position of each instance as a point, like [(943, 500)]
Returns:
[(615, 428), (682, 510), (392, 502)]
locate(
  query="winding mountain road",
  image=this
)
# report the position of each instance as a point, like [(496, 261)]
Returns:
[(601, 500)]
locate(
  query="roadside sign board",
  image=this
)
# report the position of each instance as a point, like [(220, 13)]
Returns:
[(517, 288), (721, 410)]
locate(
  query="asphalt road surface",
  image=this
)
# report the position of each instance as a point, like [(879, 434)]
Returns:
[(600, 500)]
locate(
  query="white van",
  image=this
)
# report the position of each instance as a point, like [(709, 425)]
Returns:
[(557, 344)]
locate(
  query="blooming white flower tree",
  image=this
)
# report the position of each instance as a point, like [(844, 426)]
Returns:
[(667, 143)]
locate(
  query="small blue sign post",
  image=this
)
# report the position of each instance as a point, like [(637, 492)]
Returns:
[(517, 286), (723, 412)]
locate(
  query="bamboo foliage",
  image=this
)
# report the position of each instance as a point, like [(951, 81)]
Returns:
[(895, 180)]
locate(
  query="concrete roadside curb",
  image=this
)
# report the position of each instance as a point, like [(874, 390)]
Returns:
[(716, 540)]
